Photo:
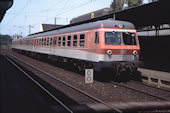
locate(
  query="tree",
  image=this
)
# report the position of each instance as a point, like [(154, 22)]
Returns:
[(152, 0), (132, 3), (5, 39), (117, 5)]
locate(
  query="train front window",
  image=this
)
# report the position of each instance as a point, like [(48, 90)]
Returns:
[(129, 38), (112, 38)]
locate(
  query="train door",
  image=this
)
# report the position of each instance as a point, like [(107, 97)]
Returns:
[(34, 44), (89, 45), (54, 45), (96, 41)]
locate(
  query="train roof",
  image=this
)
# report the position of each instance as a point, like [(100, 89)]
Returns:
[(110, 23)]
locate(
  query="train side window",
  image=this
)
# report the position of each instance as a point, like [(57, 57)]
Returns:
[(42, 42), (96, 41), (37, 42), (31, 42), (64, 41), (75, 40), (69, 41), (51, 41), (28, 42), (81, 40), (47, 41), (59, 41), (54, 41)]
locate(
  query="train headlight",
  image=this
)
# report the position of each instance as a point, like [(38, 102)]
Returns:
[(135, 52), (121, 26), (109, 52)]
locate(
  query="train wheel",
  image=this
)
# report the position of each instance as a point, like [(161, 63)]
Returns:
[(38, 56), (79, 68), (119, 72), (117, 76)]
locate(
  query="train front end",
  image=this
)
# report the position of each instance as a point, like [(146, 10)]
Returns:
[(119, 50)]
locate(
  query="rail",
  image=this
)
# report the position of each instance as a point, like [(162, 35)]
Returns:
[(71, 86), (60, 102), (150, 91)]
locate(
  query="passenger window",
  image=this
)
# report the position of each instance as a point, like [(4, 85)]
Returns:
[(96, 41), (31, 42), (37, 42), (47, 41), (51, 41), (42, 42), (59, 41), (81, 40), (64, 41), (69, 41), (75, 40), (54, 41)]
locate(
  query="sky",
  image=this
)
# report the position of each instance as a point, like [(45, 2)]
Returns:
[(33, 12)]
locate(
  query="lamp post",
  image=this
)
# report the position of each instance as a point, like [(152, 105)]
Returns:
[(30, 26)]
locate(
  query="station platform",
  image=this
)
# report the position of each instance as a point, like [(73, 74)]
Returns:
[(159, 78)]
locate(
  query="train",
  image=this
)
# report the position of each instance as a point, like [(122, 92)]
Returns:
[(100, 45)]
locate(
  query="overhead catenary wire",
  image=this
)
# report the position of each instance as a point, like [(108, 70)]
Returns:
[(20, 11), (63, 9)]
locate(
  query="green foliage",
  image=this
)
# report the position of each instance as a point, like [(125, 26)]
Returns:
[(152, 0), (118, 5), (5, 40), (132, 3)]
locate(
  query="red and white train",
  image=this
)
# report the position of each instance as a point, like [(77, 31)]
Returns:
[(105, 44)]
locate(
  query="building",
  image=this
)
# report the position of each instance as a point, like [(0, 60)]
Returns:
[(46, 27)]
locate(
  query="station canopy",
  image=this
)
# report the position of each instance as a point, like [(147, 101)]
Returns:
[(151, 14), (155, 13), (4, 6)]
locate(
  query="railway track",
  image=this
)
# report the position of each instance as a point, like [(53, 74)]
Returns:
[(159, 93), (77, 92)]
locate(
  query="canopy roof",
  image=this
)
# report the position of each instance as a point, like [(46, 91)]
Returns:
[(155, 13)]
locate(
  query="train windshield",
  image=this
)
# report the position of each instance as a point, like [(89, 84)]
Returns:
[(112, 38), (116, 38), (129, 38)]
